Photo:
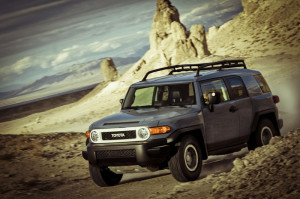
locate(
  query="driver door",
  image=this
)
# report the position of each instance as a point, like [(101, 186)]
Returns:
[(221, 125)]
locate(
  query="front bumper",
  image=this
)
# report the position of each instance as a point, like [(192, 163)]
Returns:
[(144, 153)]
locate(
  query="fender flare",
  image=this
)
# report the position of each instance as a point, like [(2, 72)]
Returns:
[(193, 130), (269, 112)]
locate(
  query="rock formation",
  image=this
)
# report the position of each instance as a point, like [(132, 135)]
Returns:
[(109, 70), (250, 6), (198, 38), (212, 31), (170, 38)]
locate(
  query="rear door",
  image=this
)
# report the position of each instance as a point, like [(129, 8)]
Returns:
[(243, 105), (222, 125)]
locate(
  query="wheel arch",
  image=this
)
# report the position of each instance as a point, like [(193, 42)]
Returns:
[(196, 132), (268, 114)]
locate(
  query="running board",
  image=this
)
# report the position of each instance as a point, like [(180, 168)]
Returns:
[(227, 150)]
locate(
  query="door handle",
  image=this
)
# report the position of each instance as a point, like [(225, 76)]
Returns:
[(233, 109)]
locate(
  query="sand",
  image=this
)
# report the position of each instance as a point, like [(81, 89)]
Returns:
[(51, 166)]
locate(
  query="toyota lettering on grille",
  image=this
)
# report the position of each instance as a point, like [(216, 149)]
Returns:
[(117, 135)]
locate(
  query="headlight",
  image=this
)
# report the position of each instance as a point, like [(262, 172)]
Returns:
[(94, 136), (143, 133)]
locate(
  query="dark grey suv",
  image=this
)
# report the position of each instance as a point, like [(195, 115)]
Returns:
[(178, 120)]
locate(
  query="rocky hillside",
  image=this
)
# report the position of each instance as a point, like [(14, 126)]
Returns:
[(263, 28), (271, 171)]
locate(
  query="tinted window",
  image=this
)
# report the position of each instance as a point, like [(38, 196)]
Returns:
[(212, 86), (237, 87), (262, 83)]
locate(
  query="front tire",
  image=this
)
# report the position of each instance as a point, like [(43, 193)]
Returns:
[(103, 176), (186, 164), (262, 136)]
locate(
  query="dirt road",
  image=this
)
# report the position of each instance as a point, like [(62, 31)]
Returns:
[(51, 166)]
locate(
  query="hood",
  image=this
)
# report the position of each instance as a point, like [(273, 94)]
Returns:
[(140, 117)]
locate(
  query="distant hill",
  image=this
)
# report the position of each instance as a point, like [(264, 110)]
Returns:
[(76, 76)]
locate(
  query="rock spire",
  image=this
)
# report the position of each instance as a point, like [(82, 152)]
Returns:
[(170, 37), (108, 69)]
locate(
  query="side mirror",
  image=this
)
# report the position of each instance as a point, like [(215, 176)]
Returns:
[(213, 98), (121, 101)]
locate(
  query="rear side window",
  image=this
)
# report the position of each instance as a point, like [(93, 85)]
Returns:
[(262, 83), (237, 87), (212, 86)]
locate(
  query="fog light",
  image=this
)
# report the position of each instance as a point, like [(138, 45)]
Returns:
[(94, 136), (143, 133)]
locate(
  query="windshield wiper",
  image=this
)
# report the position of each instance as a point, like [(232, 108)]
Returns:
[(180, 105), (134, 108), (139, 107), (156, 107)]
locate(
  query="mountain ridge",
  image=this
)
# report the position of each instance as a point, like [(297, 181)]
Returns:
[(90, 69)]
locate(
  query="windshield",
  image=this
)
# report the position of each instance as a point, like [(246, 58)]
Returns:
[(161, 95)]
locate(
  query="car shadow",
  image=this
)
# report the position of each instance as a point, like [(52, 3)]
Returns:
[(213, 165)]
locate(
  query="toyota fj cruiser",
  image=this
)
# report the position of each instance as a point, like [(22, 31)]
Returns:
[(178, 120)]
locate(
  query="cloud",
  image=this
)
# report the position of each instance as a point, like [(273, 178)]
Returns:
[(64, 38), (42, 38), (31, 9), (61, 57), (66, 55), (212, 13), (18, 67), (104, 46)]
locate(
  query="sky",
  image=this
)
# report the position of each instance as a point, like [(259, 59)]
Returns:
[(42, 37)]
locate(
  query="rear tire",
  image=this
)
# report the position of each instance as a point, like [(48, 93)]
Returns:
[(262, 136), (186, 164), (103, 176)]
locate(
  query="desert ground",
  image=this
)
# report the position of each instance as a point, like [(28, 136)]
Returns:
[(20, 111), (51, 166)]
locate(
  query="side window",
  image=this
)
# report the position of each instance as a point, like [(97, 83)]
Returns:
[(212, 86), (262, 83), (237, 87), (177, 94)]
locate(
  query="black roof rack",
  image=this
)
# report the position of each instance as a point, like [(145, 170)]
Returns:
[(197, 67)]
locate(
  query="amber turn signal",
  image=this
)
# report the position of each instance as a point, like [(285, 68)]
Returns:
[(88, 134), (159, 130)]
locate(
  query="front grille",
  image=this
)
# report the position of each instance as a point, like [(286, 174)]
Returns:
[(127, 153), (118, 135)]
